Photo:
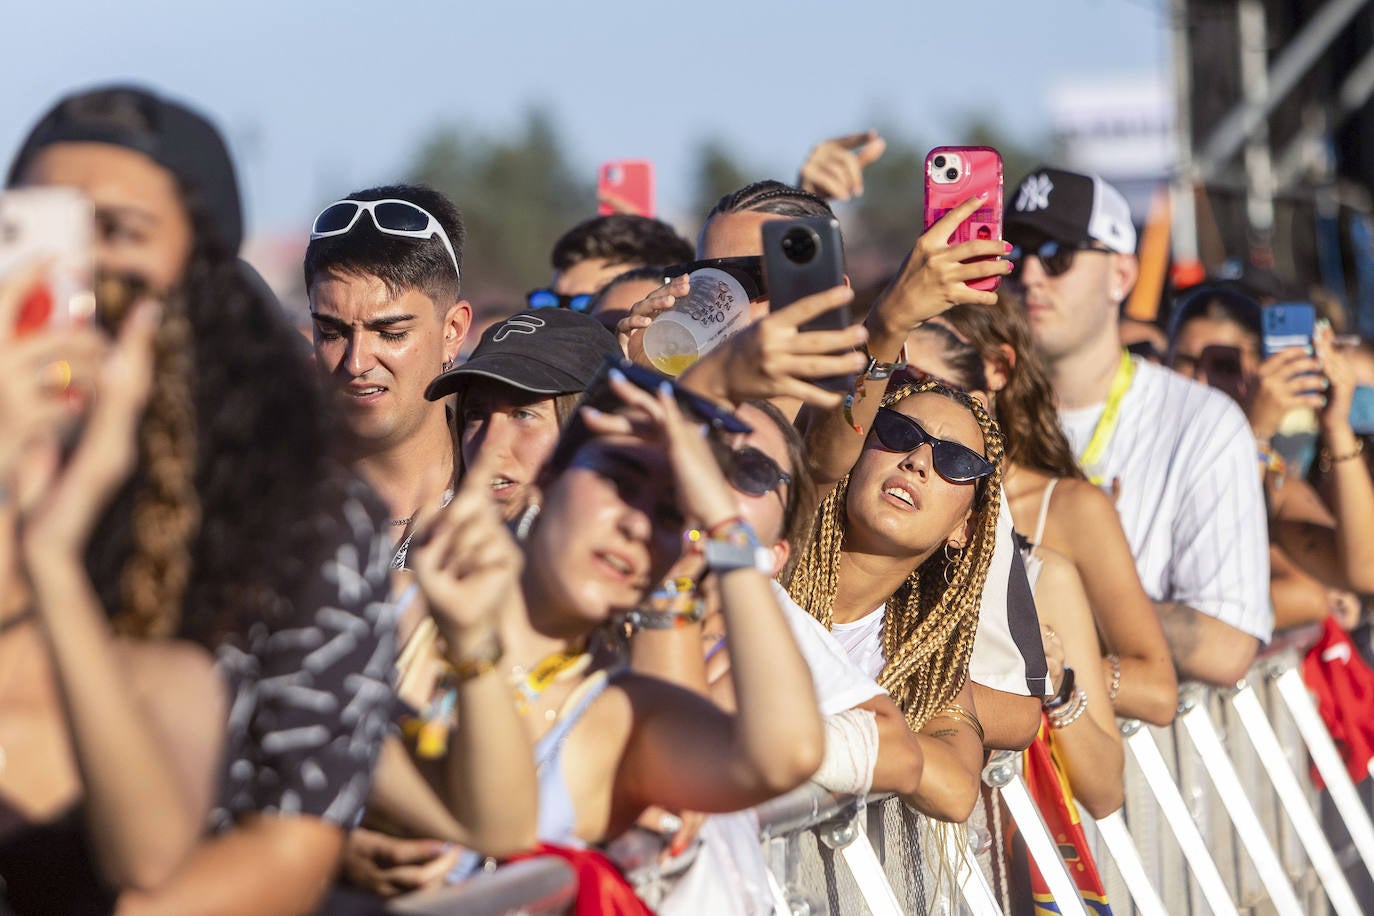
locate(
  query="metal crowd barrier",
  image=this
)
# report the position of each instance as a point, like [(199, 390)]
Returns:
[(1220, 818), (537, 886)]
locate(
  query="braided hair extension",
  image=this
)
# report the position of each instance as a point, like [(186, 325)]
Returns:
[(928, 629)]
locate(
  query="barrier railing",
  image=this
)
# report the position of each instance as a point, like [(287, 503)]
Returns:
[(1241, 812)]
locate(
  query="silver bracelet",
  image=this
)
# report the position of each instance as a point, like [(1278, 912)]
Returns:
[(1070, 712)]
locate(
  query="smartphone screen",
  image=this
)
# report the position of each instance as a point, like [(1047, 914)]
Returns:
[(54, 226), (625, 186), (953, 174)]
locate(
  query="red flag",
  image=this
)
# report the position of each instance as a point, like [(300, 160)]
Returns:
[(1344, 688), (1049, 789)]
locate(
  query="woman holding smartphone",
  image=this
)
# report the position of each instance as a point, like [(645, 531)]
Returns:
[(1320, 549), (213, 513)]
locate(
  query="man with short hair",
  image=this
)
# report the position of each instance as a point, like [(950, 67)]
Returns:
[(596, 251), (1179, 454), (383, 273)]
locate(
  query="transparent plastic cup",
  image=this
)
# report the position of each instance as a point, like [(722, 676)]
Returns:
[(715, 310)]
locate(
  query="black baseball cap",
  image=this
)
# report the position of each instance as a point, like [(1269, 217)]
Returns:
[(177, 138), (542, 351), (1056, 205)]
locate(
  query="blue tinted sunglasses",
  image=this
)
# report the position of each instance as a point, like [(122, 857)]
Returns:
[(548, 299)]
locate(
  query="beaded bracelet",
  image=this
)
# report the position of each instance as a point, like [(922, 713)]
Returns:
[(1115, 687), (1069, 713), (476, 664), (673, 605)]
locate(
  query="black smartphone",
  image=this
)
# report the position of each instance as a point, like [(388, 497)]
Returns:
[(600, 396), (802, 257)]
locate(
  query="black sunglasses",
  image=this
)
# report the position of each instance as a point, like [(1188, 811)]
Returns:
[(748, 271), (548, 299), (956, 463), (1056, 258), (753, 473)]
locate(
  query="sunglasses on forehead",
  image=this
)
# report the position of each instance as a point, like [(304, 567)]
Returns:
[(747, 271), (1056, 258), (391, 217), (896, 432), (753, 473), (548, 299)]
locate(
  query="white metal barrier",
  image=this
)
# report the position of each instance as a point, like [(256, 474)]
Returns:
[(1263, 802)]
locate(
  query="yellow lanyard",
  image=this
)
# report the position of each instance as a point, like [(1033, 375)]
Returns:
[(1106, 424), (552, 667)]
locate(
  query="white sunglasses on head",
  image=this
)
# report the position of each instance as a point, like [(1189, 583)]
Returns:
[(391, 216)]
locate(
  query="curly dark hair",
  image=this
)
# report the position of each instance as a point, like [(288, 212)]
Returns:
[(221, 523)]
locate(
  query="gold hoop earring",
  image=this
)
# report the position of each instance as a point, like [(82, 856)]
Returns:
[(951, 560)]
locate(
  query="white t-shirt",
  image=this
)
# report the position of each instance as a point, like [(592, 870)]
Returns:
[(840, 683), (1008, 654), (1191, 502)]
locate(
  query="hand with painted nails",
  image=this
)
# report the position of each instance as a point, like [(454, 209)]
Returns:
[(935, 275)]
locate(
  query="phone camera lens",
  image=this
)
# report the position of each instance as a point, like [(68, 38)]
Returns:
[(799, 245), (951, 174), (939, 162)]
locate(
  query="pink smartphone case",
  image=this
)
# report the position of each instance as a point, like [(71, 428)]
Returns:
[(982, 172), (630, 180)]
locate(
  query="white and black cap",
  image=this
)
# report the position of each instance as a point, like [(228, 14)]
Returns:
[(542, 351), (1054, 205)]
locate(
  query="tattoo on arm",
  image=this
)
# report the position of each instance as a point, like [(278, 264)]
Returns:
[(944, 733)]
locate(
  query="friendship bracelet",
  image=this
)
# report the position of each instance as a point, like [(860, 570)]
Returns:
[(878, 371), (1115, 661), (962, 714), (646, 619), (1070, 712)]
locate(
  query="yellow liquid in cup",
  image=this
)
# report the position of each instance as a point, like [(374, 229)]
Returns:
[(674, 363)]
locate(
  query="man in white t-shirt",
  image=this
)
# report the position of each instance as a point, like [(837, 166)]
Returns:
[(1179, 455)]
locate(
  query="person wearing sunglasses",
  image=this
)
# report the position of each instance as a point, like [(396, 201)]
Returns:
[(1195, 522), (384, 274), (596, 251), (895, 565), (868, 744)]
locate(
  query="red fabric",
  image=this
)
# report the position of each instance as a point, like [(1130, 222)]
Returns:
[(601, 888), (1050, 791), (1344, 688)]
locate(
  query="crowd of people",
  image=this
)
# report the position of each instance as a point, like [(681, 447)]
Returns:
[(287, 630)]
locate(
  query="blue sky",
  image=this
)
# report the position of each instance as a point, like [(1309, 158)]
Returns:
[(317, 98)]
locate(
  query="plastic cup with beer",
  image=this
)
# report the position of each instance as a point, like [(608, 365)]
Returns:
[(715, 310)]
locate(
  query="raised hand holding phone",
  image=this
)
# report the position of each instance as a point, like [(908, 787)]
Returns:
[(952, 175), (625, 186), (936, 275)]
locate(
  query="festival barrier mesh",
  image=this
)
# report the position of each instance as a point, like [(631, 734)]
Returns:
[(1221, 817)]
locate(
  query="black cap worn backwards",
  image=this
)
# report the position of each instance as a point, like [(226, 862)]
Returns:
[(172, 135), (542, 351)]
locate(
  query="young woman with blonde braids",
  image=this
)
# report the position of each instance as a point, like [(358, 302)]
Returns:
[(988, 352), (895, 567)]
